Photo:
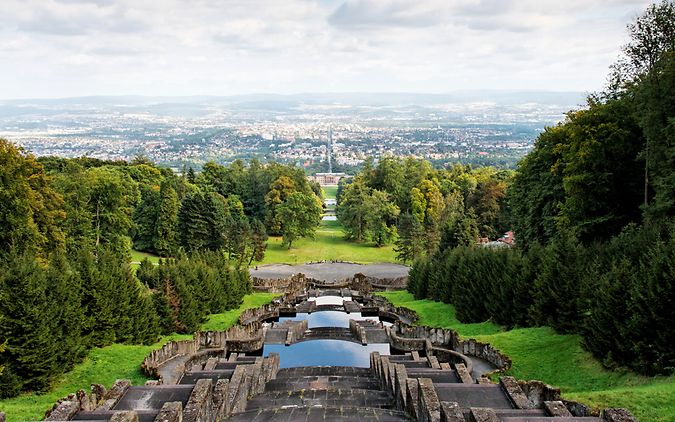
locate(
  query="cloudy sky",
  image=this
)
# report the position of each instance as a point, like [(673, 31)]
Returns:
[(59, 48)]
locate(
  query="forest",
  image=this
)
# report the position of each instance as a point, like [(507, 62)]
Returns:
[(66, 283), (593, 209)]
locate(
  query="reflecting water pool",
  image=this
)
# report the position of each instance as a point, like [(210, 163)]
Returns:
[(325, 353), (329, 319)]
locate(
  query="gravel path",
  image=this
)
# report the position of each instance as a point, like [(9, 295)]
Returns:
[(330, 271)]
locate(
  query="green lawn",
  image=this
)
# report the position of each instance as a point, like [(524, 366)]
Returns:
[(328, 244), (329, 192), (102, 366), (218, 322), (138, 256), (540, 353), (107, 364)]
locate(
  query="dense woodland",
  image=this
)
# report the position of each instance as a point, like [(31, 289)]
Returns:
[(593, 209), (422, 209), (68, 226)]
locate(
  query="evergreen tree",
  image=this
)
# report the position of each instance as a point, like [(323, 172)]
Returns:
[(167, 221), (409, 246), (29, 325), (258, 241)]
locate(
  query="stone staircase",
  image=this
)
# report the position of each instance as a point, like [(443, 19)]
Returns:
[(432, 391), (323, 393), (207, 392)]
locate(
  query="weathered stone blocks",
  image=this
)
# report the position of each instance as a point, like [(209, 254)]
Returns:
[(515, 393), (170, 412), (199, 407), (556, 409), (450, 412), (429, 408), (124, 416)]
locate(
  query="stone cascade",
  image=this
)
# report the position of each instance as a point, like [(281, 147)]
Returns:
[(323, 393), (432, 391), (206, 393), (220, 375)]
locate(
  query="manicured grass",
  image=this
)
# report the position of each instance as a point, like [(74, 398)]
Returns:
[(430, 314), (329, 192), (218, 322), (107, 364), (138, 256), (328, 244), (102, 366), (540, 353)]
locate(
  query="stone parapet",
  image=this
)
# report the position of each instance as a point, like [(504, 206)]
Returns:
[(200, 407), (170, 350), (428, 405), (124, 416), (170, 412)]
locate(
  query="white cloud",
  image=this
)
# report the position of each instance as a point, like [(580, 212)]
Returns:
[(178, 47)]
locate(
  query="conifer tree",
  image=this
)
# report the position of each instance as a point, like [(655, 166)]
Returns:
[(167, 221), (28, 324)]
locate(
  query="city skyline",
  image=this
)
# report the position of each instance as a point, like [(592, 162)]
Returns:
[(70, 48)]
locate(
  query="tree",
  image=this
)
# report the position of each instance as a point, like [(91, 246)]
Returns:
[(258, 241), (279, 191), (300, 215), (145, 218), (167, 221), (30, 209), (410, 245), (352, 209), (646, 58), (600, 173), (28, 324), (537, 189), (381, 218)]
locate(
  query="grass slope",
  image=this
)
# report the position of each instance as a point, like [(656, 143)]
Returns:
[(328, 244), (106, 364), (138, 256), (540, 353), (330, 192), (218, 322)]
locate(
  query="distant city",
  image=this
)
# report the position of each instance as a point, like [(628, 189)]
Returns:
[(479, 128)]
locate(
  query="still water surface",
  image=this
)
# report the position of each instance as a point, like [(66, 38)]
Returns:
[(326, 352)]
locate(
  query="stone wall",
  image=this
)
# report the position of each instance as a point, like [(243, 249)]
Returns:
[(170, 350), (408, 338), (297, 283)]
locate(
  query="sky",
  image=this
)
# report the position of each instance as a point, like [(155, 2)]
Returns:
[(67, 48)]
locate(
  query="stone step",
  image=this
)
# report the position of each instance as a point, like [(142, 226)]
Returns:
[(323, 382), (328, 332), (436, 375), (246, 359), (399, 358), (153, 397), (515, 413), (415, 363), (193, 376), (320, 414), (143, 415), (307, 371), (223, 364), (550, 419), (473, 395), (325, 397)]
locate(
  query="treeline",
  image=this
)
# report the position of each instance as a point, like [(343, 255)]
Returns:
[(231, 208), (66, 229), (422, 209), (593, 206)]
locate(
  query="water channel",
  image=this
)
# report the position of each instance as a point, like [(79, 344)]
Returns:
[(327, 352)]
